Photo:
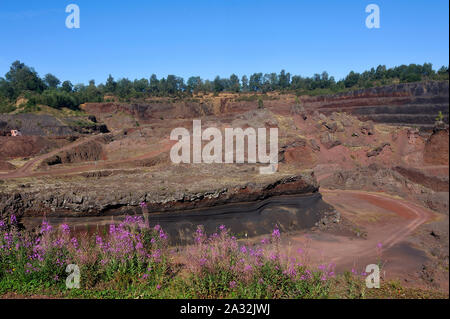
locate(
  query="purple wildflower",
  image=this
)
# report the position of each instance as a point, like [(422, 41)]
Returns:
[(46, 227), (276, 233), (143, 204), (65, 228)]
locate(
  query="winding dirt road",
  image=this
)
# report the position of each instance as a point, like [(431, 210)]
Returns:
[(387, 220)]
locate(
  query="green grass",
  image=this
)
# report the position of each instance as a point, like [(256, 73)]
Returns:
[(342, 287)]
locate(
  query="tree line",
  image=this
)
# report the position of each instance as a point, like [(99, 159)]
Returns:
[(23, 81)]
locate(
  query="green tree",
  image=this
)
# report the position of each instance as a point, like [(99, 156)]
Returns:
[(154, 84), (218, 84), (67, 86), (255, 83), (234, 83), (351, 79), (244, 82), (51, 81), (284, 79), (111, 85), (194, 84), (23, 78)]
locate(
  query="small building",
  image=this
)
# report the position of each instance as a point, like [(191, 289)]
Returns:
[(16, 133)]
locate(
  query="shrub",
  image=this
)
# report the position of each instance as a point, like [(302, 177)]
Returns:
[(132, 256)]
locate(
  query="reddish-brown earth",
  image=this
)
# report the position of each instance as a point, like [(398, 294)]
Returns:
[(436, 149), (27, 146), (387, 183)]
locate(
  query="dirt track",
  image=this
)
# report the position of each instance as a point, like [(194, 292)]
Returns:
[(27, 170), (387, 220)]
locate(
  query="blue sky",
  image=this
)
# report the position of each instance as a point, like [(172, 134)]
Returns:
[(219, 37)]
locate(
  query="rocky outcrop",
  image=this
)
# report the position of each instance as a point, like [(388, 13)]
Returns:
[(377, 150), (436, 183), (91, 201), (437, 148), (89, 151), (34, 124), (431, 191)]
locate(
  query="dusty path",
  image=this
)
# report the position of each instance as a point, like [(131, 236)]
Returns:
[(389, 221), (27, 169)]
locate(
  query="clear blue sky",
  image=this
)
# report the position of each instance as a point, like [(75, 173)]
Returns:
[(218, 37)]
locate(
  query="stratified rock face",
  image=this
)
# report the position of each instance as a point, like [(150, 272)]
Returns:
[(46, 125), (430, 191), (412, 103), (436, 148), (82, 199), (292, 202), (89, 151), (33, 124)]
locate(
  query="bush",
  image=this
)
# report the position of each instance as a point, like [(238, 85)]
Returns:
[(6, 107), (260, 103), (133, 258)]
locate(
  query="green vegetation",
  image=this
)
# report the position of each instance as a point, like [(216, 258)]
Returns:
[(133, 260), (24, 81), (260, 103), (440, 117)]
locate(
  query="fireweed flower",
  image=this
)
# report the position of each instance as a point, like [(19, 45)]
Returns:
[(273, 257), (125, 241), (45, 227), (143, 204), (276, 233), (99, 240), (74, 242), (162, 234), (202, 261), (199, 236), (65, 228)]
